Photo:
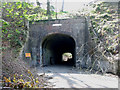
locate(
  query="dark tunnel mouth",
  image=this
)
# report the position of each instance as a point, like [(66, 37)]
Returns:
[(54, 46)]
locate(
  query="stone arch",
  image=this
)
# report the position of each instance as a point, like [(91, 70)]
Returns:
[(54, 45)]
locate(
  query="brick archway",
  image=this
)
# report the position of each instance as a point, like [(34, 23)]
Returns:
[(42, 32)]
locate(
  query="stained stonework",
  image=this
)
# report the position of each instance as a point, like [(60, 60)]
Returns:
[(49, 39)]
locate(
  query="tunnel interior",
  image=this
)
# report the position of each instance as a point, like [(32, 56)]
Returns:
[(54, 46)]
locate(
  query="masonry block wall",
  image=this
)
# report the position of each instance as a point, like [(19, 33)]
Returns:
[(70, 34)]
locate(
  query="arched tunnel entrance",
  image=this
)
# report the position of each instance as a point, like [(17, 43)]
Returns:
[(55, 46)]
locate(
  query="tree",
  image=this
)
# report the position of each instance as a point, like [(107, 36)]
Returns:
[(38, 3), (48, 7), (62, 6)]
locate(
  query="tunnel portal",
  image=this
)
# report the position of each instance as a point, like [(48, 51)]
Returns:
[(53, 48), (50, 39)]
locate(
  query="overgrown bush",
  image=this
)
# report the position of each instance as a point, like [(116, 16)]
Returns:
[(105, 26)]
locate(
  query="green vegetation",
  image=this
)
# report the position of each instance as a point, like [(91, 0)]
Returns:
[(104, 20), (67, 54), (14, 21)]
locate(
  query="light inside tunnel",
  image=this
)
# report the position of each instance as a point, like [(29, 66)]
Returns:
[(54, 46), (66, 56)]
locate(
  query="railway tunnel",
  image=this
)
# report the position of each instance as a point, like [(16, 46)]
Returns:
[(53, 48)]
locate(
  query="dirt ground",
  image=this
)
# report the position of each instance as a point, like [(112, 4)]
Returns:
[(66, 77)]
